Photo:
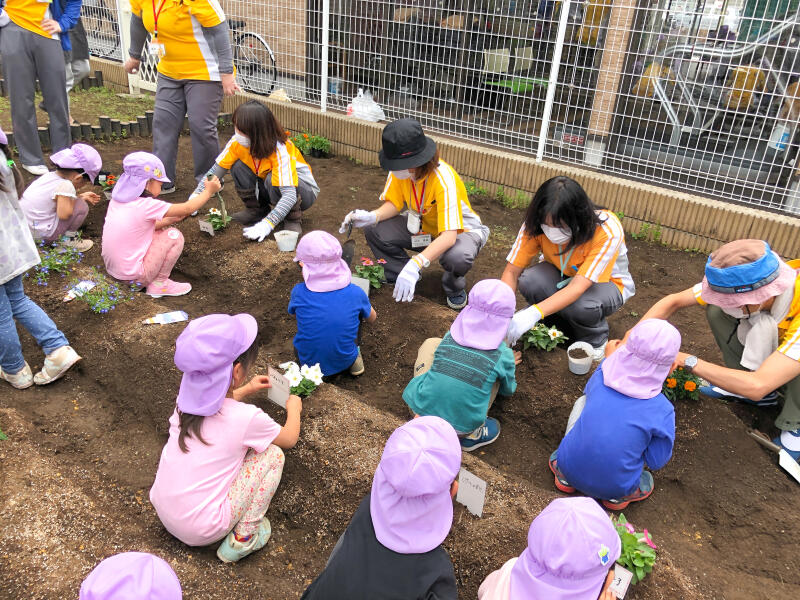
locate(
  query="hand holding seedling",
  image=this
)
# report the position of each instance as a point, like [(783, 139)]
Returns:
[(524, 320), (89, 197)]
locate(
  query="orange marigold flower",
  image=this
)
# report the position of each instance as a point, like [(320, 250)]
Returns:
[(672, 382), (690, 386), (305, 135)]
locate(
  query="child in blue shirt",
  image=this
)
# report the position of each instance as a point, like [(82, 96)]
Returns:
[(328, 307), (623, 421)]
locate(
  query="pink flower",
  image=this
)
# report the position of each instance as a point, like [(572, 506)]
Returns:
[(648, 541), (366, 262), (381, 261), (629, 528)]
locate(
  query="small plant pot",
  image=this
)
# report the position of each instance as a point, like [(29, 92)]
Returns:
[(579, 357), (319, 153), (362, 283), (287, 240), (107, 194)]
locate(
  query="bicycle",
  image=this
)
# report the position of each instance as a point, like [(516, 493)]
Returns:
[(253, 58), (102, 29)]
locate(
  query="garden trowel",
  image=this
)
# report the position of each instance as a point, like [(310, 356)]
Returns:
[(349, 246), (785, 460)]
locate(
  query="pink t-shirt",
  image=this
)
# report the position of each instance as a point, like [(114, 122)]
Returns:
[(128, 233), (497, 585), (190, 493), (38, 202)]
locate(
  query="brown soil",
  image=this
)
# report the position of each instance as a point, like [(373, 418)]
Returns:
[(82, 453), (578, 354)]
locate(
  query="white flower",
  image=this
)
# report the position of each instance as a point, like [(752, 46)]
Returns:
[(305, 370), (554, 333), (294, 378), (214, 211), (290, 367)]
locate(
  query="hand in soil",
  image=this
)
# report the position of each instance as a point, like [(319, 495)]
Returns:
[(89, 197), (517, 357)]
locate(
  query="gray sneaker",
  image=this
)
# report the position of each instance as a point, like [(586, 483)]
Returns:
[(357, 368)]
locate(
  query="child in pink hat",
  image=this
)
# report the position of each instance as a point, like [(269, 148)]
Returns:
[(623, 421), (328, 307), (459, 376), (51, 203), (138, 243), (223, 461), (572, 548), (393, 544), (132, 576)]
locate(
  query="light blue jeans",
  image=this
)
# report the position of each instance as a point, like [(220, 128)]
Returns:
[(15, 305)]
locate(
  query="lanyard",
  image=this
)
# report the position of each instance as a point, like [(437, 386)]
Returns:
[(257, 164), (156, 15), (419, 201), (564, 264)]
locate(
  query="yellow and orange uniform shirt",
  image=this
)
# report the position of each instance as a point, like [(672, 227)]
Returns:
[(286, 164), (602, 259), (188, 55), (29, 15)]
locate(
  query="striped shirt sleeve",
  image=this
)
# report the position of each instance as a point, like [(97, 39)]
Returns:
[(392, 192), (606, 244), (791, 342), (525, 249), (448, 202), (207, 12), (284, 168), (697, 290)]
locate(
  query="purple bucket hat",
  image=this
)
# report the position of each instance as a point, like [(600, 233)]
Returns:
[(132, 576), (3, 137), (639, 367), (323, 267), (205, 352), (137, 169), (411, 507), (571, 546), (79, 156), (483, 323)]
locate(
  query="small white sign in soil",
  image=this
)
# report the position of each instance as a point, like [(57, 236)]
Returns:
[(622, 579), (279, 392), (362, 283), (207, 227), (471, 492)]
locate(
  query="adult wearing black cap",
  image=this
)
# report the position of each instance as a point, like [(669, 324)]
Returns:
[(425, 208)]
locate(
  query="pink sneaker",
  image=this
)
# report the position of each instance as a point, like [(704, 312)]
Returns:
[(168, 288)]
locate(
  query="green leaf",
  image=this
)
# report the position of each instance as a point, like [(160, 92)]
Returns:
[(639, 572), (3, 436)]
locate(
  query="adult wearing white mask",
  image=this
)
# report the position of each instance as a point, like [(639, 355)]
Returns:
[(426, 210), (569, 259), (752, 302)]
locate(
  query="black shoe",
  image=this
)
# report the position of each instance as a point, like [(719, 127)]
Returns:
[(249, 216)]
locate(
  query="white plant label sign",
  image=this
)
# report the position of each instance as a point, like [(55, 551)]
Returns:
[(362, 283), (622, 579), (207, 227), (471, 492), (279, 392)]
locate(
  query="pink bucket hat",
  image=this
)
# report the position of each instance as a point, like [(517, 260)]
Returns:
[(79, 156), (205, 352), (483, 323), (639, 367), (745, 272), (571, 546), (137, 169), (323, 267), (132, 576), (411, 507)]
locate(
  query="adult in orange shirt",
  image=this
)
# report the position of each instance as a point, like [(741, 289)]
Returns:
[(582, 274)]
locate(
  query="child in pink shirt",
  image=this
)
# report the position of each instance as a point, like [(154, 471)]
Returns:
[(223, 461), (138, 244)]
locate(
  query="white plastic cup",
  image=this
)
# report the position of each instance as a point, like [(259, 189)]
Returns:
[(287, 240), (580, 366)]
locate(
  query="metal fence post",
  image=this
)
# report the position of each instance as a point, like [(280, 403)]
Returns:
[(124, 20), (323, 80), (551, 84)]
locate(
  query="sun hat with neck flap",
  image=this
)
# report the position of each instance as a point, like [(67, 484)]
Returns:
[(81, 157), (323, 267), (410, 505), (639, 367), (205, 352), (137, 169), (745, 272), (484, 322), (405, 146), (3, 137), (132, 576), (571, 546)]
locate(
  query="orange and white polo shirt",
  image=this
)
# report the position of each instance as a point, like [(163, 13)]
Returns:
[(284, 163)]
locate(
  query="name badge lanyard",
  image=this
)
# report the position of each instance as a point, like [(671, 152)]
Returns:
[(156, 14), (419, 202), (564, 264), (257, 165)]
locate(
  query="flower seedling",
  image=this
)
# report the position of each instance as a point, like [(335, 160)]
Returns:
[(303, 380), (638, 553), (105, 296), (681, 385), (371, 272), (543, 337), (107, 181), (217, 220), (302, 141), (56, 258)]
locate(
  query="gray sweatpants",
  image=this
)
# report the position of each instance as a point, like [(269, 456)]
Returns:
[(390, 239), (26, 57), (587, 315), (176, 98)]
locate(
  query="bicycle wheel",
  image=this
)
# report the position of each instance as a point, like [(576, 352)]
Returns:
[(102, 30), (255, 63)]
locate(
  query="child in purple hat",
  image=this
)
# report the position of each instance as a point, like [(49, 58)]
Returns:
[(623, 421), (132, 576), (392, 547), (52, 204), (138, 243), (458, 377), (572, 548), (328, 307), (223, 461)]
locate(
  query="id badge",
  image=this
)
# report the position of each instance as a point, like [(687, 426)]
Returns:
[(422, 240), (414, 222), (156, 48)]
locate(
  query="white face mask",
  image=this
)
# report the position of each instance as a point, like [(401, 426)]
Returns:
[(242, 139), (404, 174), (739, 312), (557, 235)]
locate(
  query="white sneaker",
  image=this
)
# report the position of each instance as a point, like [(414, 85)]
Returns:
[(56, 364), (80, 245), (35, 169), (20, 380), (599, 353)]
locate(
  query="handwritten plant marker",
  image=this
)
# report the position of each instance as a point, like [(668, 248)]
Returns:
[(471, 492), (362, 283), (79, 290), (176, 316), (622, 579), (279, 392)]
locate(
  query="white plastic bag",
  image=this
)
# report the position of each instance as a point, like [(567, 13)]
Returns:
[(363, 106)]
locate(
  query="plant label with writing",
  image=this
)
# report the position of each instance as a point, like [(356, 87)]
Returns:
[(207, 227), (279, 392), (471, 492), (622, 579), (362, 283)]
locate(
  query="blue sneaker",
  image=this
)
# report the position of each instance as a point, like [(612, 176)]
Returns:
[(792, 437), (482, 436), (457, 301), (713, 391), (232, 550)]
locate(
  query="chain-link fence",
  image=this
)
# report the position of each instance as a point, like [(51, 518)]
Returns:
[(698, 95)]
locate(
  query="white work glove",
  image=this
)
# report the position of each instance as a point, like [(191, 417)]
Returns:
[(407, 281), (259, 231), (523, 321), (4, 18), (359, 218)]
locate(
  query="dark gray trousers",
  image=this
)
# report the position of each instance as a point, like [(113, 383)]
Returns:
[(587, 315), (247, 182), (27, 57), (390, 239)]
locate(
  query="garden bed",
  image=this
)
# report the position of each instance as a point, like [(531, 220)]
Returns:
[(82, 453)]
